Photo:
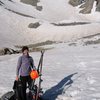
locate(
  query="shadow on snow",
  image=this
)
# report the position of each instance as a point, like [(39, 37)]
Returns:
[(58, 89)]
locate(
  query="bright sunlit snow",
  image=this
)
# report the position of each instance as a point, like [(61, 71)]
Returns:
[(69, 73)]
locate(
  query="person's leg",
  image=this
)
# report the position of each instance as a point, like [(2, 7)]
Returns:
[(29, 81), (31, 87), (23, 92)]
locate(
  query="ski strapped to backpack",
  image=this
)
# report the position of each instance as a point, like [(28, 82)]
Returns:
[(36, 89), (39, 69)]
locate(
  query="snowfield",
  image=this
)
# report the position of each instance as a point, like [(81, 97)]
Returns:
[(69, 72)]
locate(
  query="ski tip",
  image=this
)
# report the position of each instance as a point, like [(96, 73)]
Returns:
[(42, 51)]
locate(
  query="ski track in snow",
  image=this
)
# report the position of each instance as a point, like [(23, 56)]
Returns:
[(69, 73)]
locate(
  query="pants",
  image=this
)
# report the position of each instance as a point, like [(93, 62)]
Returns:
[(24, 81)]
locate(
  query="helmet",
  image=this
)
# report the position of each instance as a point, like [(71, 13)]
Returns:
[(34, 74)]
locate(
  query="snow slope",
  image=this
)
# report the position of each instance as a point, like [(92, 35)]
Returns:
[(16, 16), (69, 73)]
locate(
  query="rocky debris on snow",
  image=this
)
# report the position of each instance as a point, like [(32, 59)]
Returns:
[(71, 24), (1, 3), (33, 3), (72, 44), (75, 2), (86, 5), (34, 25), (92, 39), (9, 51), (32, 47), (91, 36), (38, 44), (90, 42), (6, 51), (98, 5), (25, 15), (10, 0), (87, 40), (39, 8)]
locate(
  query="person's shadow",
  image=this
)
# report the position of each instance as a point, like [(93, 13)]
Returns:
[(58, 89)]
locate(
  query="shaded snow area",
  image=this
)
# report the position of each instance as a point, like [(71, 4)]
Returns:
[(16, 16), (69, 72)]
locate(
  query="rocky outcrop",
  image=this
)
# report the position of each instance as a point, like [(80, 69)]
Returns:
[(34, 25), (75, 2), (5, 51), (1, 3), (70, 24), (98, 5), (86, 5), (33, 3)]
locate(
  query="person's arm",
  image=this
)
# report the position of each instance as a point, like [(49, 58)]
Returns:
[(18, 67), (32, 64)]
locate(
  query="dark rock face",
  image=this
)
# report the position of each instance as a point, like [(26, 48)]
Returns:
[(33, 3), (34, 25), (75, 2), (98, 5), (1, 3), (71, 24), (10, 0), (86, 6), (6, 51)]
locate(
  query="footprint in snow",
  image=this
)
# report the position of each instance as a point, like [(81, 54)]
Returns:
[(90, 80)]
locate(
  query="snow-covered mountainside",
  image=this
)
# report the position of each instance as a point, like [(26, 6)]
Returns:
[(86, 5), (54, 20)]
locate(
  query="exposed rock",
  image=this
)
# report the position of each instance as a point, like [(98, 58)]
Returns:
[(33, 3), (71, 24), (5, 51), (72, 44), (34, 25), (22, 14), (91, 36), (1, 3), (98, 5), (1, 52), (39, 8), (86, 6), (75, 2), (10, 0)]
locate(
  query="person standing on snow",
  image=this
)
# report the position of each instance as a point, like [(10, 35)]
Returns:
[(25, 63)]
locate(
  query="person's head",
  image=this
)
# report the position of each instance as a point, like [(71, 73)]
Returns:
[(25, 50)]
